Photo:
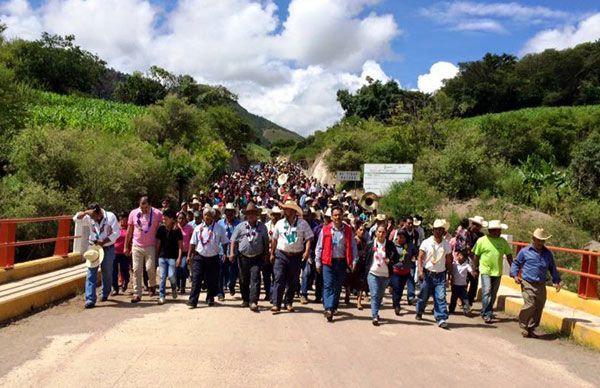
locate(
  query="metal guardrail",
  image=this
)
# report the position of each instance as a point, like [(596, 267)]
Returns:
[(588, 275), (8, 234)]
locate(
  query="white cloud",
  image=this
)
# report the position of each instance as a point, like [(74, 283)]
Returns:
[(439, 71), (287, 70), (489, 17), (587, 30)]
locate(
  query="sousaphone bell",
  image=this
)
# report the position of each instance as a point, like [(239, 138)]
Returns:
[(369, 201)]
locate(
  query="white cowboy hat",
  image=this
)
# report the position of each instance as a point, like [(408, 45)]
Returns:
[(194, 196), (230, 206), (478, 220), (381, 217), (94, 256), (289, 204), (416, 222), (282, 179), (195, 201), (541, 234), (328, 213), (496, 224), (441, 223), (276, 209)]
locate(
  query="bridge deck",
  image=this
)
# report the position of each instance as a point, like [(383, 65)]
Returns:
[(117, 344)]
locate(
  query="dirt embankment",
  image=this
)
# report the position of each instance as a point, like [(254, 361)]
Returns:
[(319, 170)]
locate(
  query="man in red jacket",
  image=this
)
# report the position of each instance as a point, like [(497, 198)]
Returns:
[(335, 252)]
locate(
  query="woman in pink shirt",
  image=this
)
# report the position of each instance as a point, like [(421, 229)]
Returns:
[(182, 271), (121, 263)]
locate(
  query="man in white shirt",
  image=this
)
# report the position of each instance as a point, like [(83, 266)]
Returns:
[(289, 247), (203, 258), (104, 231), (433, 265)]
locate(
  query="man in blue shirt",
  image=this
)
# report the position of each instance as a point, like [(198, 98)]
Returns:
[(529, 270)]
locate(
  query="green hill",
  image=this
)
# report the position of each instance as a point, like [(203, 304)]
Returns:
[(267, 131)]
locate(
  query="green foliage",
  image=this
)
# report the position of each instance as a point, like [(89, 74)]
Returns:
[(96, 165), (499, 83), (140, 90), (54, 63), (585, 165), (79, 112), (232, 128), (257, 153), (411, 197), (542, 182), (13, 112), (585, 213)]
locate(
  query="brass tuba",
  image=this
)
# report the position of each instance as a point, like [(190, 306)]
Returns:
[(369, 201)]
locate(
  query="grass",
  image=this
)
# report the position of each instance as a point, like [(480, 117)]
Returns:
[(83, 112), (257, 153)]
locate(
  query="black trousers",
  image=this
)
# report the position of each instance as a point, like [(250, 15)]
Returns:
[(204, 269), (250, 268), (267, 275), (459, 292), (472, 283), (287, 277)]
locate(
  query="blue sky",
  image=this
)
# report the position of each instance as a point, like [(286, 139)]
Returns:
[(286, 59)]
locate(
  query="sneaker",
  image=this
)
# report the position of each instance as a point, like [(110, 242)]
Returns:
[(245, 304), (328, 315), (443, 324), (376, 322), (89, 305), (397, 310), (174, 293), (419, 317), (161, 300), (254, 307), (135, 299), (303, 300)]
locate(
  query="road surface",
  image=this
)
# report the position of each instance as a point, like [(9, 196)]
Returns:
[(120, 345)]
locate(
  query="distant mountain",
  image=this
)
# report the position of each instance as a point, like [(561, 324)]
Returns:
[(267, 131)]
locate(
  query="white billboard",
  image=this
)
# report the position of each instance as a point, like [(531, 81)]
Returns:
[(379, 177)]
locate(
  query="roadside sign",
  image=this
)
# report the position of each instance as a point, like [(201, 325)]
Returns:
[(347, 176), (379, 177)]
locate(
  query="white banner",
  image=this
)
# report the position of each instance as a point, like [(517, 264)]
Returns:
[(379, 177), (347, 176)]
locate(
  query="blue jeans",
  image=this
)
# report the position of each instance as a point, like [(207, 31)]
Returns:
[(167, 266), (309, 274), (489, 290), (410, 285), (333, 278), (91, 280), (182, 273), (228, 273), (398, 282), (377, 285), (434, 283)]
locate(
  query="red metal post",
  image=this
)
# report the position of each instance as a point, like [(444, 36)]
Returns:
[(8, 235), (588, 287), (61, 248)]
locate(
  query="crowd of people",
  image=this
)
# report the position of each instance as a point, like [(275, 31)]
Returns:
[(283, 234)]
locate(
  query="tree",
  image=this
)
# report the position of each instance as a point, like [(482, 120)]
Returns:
[(54, 63), (140, 90), (13, 112), (234, 130), (585, 165)]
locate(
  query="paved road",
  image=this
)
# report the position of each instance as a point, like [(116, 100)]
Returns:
[(116, 344)]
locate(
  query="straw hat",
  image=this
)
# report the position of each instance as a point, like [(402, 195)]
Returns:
[(416, 222), (290, 204), (252, 208), (381, 217), (230, 206), (496, 224), (195, 201), (276, 210), (282, 179), (478, 220), (441, 223), (541, 234), (328, 213), (94, 256)]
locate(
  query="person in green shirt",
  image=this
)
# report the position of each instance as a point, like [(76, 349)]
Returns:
[(489, 251)]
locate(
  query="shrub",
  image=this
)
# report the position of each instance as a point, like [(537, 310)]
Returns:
[(412, 197), (585, 165)]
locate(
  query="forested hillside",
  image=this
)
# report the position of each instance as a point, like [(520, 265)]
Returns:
[(543, 158)]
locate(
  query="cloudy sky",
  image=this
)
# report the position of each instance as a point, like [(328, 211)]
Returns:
[(287, 58)]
